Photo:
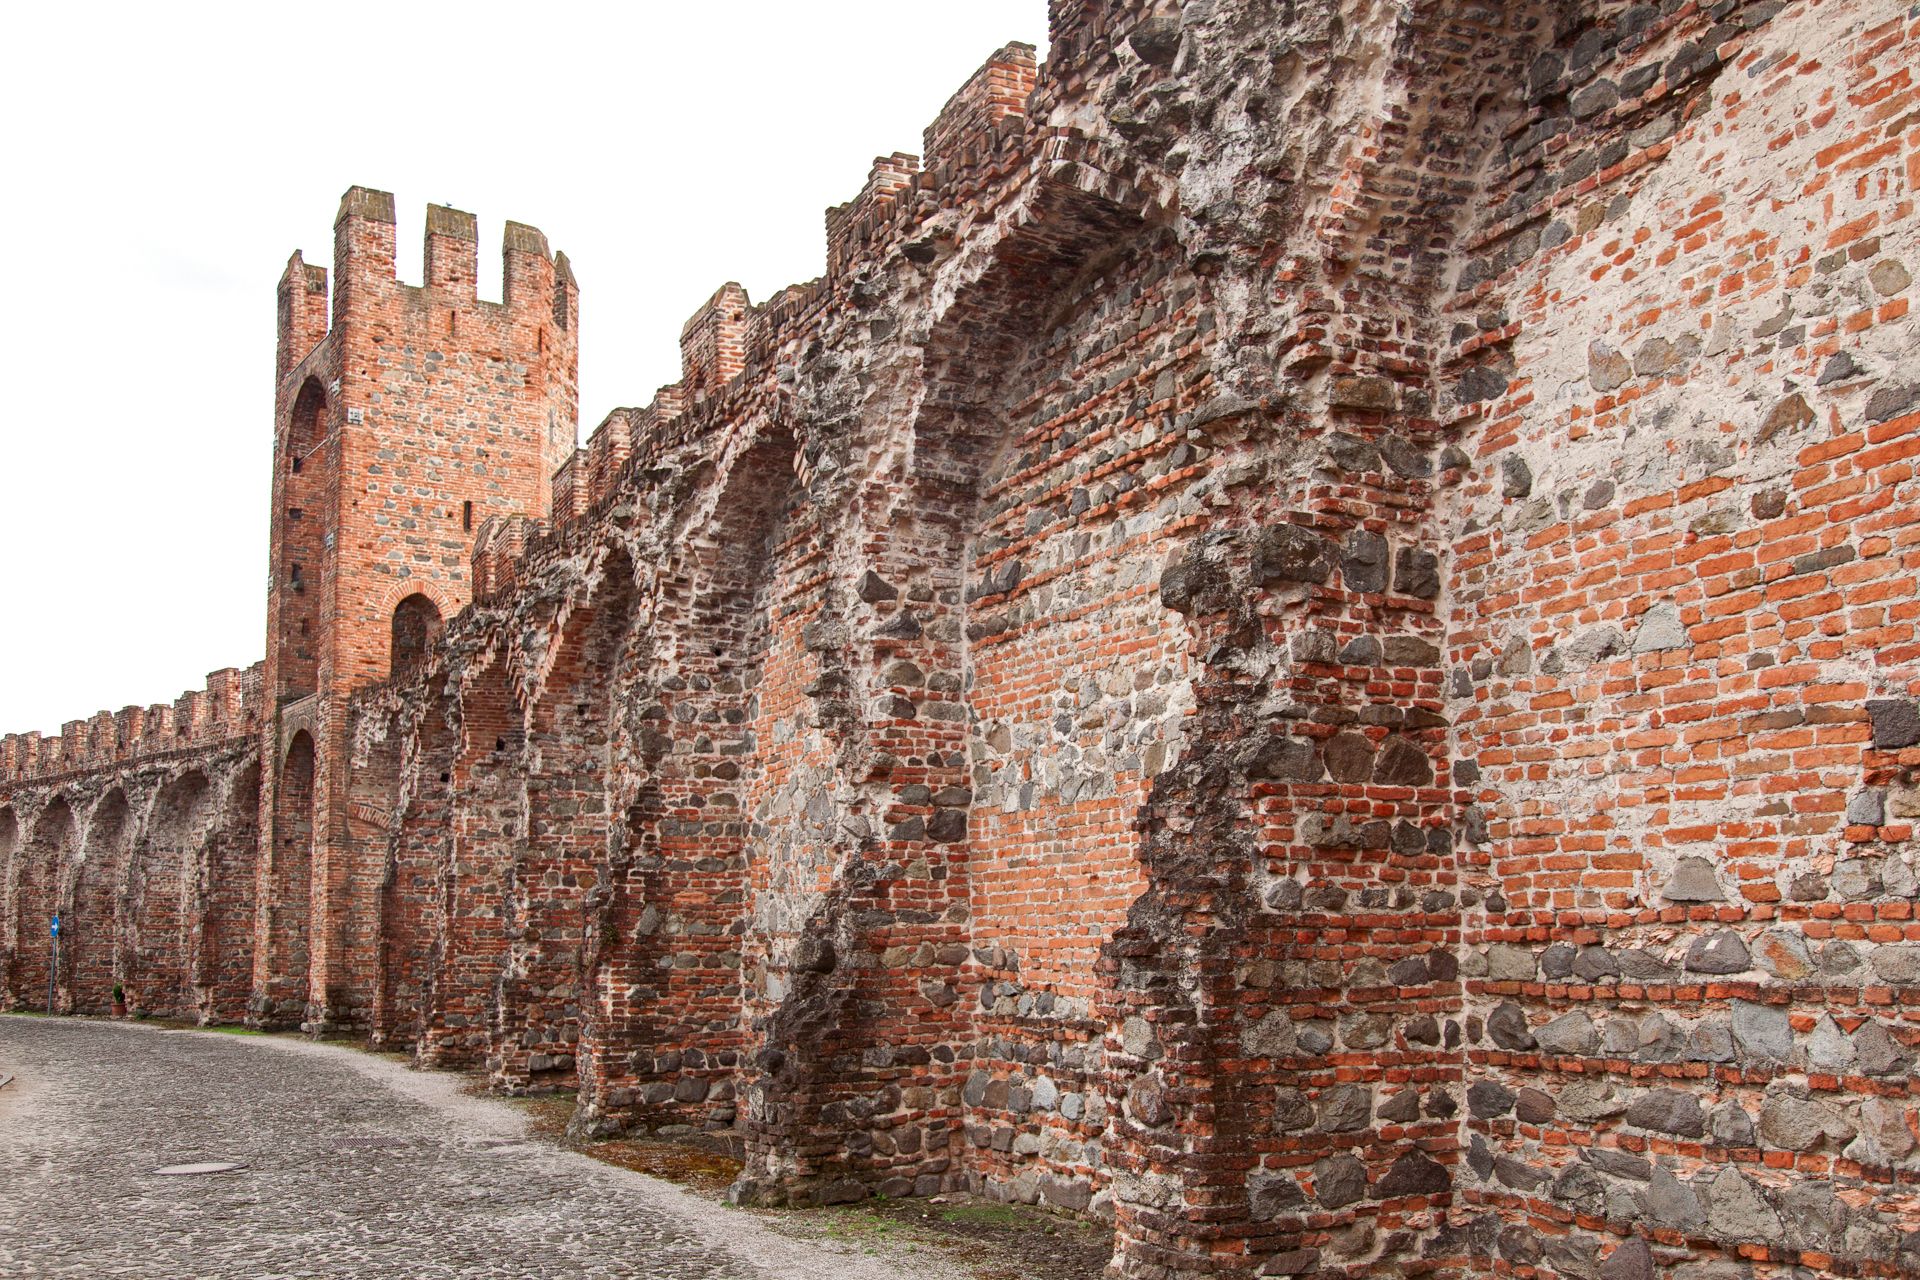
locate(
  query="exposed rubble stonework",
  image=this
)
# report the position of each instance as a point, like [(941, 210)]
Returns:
[(1306, 643)]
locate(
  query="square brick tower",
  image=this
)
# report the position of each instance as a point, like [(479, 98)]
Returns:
[(400, 424)]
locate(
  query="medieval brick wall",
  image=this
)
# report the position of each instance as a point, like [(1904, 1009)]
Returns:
[(405, 418), (1306, 644), (138, 831), (1683, 630)]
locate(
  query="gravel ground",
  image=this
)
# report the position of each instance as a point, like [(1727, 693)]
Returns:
[(354, 1166)]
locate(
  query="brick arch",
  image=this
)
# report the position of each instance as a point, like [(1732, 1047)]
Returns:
[(416, 865), (396, 595), (39, 862), (221, 933), (90, 946), (9, 842), (1037, 486), (394, 592), (664, 1021), (1248, 851), (536, 1034), (304, 489), (155, 968), (725, 558), (308, 420), (415, 626), (610, 572), (487, 820), (282, 966), (943, 633)]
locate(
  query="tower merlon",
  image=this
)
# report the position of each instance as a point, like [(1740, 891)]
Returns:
[(519, 237), (566, 293), (532, 276), (302, 312), (363, 246), (365, 203), (452, 251)]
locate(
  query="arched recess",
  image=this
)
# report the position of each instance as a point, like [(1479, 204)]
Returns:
[(155, 972), (89, 926), (1078, 679), (220, 936), (302, 542), (281, 1000), (1014, 763), (39, 864), (539, 1014), (666, 1005), (416, 628), (489, 813), (9, 872), (416, 866)]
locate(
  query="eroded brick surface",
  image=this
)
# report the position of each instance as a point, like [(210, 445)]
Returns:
[(1307, 642)]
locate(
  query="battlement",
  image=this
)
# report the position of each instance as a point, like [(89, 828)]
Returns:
[(889, 177), (229, 707), (975, 138), (302, 312), (591, 477), (536, 282), (498, 550), (452, 250), (442, 407)]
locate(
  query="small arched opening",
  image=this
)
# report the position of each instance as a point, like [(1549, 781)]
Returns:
[(307, 426), (301, 528), (416, 627)]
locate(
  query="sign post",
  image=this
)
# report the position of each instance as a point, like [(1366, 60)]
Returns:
[(53, 968)]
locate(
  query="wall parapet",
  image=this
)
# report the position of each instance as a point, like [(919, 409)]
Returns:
[(230, 706), (981, 149)]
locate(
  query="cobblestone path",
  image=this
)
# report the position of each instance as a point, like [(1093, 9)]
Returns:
[(354, 1166)]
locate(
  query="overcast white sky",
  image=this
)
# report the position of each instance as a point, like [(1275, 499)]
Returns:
[(164, 160)]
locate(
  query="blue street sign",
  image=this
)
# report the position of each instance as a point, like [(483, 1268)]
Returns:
[(56, 926)]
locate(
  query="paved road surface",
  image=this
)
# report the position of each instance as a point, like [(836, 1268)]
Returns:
[(355, 1166)]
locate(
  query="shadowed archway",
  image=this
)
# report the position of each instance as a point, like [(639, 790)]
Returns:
[(35, 883), (90, 928), (281, 999), (155, 973)]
